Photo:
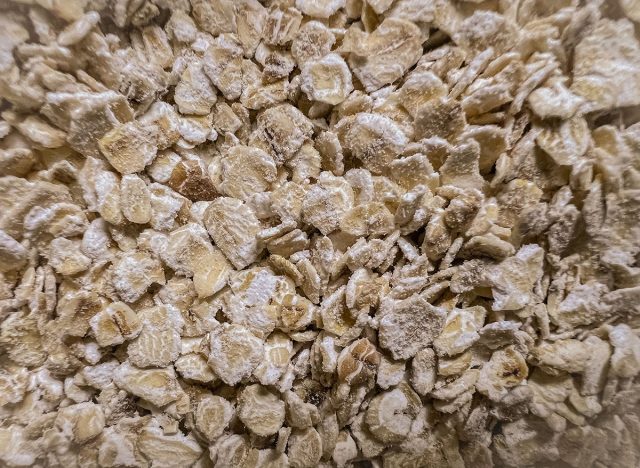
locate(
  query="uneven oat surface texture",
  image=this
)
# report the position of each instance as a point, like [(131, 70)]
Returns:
[(320, 233)]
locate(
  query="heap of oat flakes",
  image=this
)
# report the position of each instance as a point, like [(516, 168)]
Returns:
[(397, 233)]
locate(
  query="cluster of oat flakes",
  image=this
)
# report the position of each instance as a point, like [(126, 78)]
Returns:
[(395, 233)]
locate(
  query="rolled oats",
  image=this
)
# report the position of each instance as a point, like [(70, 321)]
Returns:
[(261, 410), (233, 226), (245, 171), (391, 414), (358, 362), (158, 343), (625, 361), (135, 199), (41, 133), (345, 450), (327, 79), (168, 449), (321, 9), (115, 324), (374, 139), (194, 366), (612, 46), (129, 148), (327, 202), (384, 55), (281, 25), (319, 233), (423, 372), (408, 325), (134, 272), (158, 386), (304, 448), (278, 350), (460, 331), (65, 257), (314, 40), (222, 64), (212, 416), (13, 255), (506, 369), (234, 352)]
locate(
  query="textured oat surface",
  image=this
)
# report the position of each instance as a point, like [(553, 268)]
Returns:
[(320, 233)]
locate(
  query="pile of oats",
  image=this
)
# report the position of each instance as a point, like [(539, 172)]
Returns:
[(320, 233)]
